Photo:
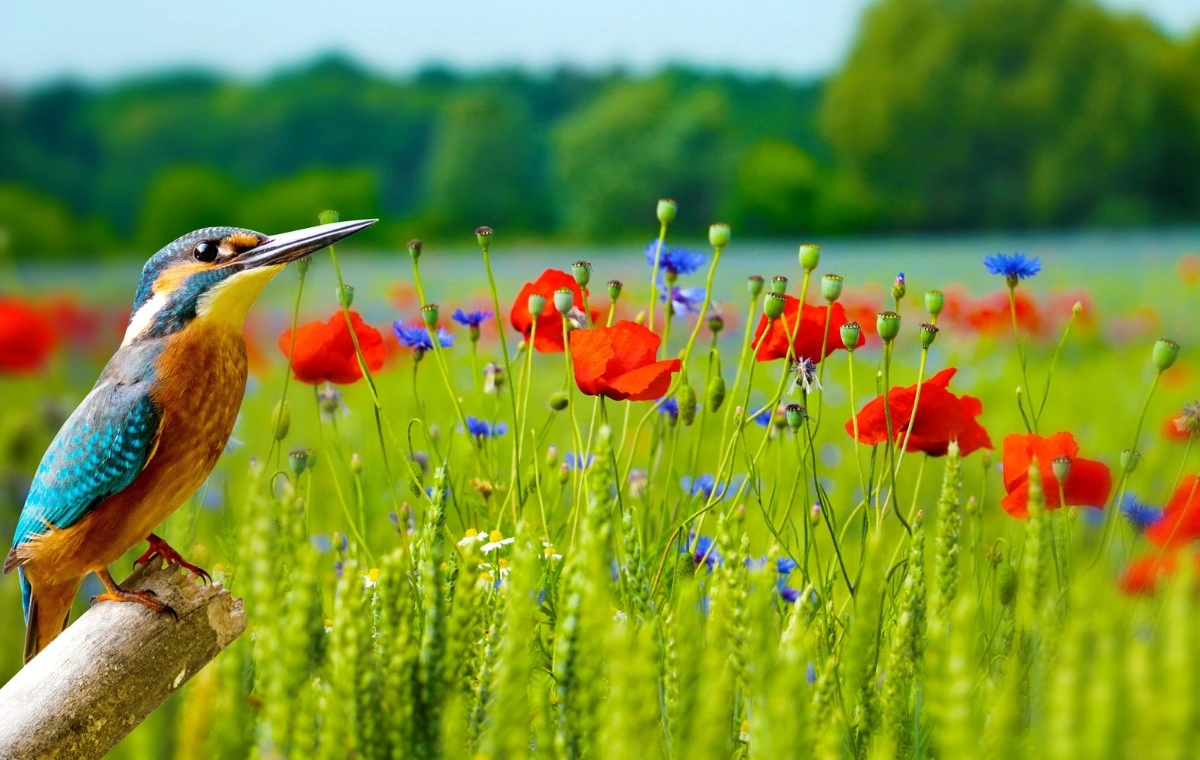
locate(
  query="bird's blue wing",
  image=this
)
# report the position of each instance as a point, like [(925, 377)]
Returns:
[(98, 452)]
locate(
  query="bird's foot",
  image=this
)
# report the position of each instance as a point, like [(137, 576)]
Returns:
[(162, 550), (144, 597)]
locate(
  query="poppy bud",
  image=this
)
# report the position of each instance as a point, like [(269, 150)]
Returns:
[(640, 318), (1006, 584), (583, 272), (483, 236), (414, 248), (1061, 467), (345, 296), (329, 216), (559, 400), (429, 313), (1165, 353), (537, 304), (614, 289), (1129, 460), (779, 284), (850, 332), (831, 287), (972, 507), (773, 306), (564, 300), (928, 333), (888, 325), (814, 514), (666, 210), (356, 464), (564, 474), (303, 264), (898, 287), (810, 256), (718, 235), (281, 420), (934, 301), (1077, 309), (298, 461), (312, 458), (715, 394), (716, 324), (754, 285), (796, 414), (687, 403), (552, 456)]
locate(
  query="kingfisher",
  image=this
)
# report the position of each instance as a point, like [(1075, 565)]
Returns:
[(150, 432)]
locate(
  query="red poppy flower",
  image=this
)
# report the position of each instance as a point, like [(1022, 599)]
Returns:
[(941, 418), (810, 336), (549, 338), (1144, 573), (992, 314), (1180, 523), (325, 351), (618, 362), (1088, 482), (26, 337)]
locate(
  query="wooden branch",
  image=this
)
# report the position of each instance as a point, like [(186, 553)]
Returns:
[(113, 667)]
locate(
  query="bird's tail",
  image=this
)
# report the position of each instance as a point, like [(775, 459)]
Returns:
[(47, 609)]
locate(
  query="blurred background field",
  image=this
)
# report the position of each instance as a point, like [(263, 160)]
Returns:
[(919, 137)]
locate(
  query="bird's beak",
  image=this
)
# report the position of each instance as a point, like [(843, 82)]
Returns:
[(290, 246)]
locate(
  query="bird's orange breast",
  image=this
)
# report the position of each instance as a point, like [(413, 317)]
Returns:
[(200, 381)]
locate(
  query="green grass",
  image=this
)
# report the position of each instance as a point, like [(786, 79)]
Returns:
[(976, 634)]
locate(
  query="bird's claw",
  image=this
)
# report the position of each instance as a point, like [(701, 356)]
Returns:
[(163, 551), (144, 597)]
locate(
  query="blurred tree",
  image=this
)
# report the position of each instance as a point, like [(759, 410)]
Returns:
[(295, 202), (482, 166), (636, 142), (36, 225), (777, 189), (186, 198)]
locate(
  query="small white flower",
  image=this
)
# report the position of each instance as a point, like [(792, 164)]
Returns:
[(495, 540), (806, 376), (471, 536)]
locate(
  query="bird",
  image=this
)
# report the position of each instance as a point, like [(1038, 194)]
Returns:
[(153, 426)]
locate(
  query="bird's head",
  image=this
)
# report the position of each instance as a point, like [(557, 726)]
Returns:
[(214, 274)]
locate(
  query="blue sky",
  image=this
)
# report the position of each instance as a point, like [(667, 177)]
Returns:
[(99, 40)]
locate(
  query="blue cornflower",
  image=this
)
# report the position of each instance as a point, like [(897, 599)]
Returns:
[(810, 674), (322, 543), (470, 318), (705, 552), (683, 300), (417, 336), (1139, 515), (1014, 266), (764, 418), (483, 429), (670, 407), (677, 260), (574, 461), (704, 486)]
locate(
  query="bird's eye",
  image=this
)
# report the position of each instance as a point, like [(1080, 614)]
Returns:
[(205, 252)]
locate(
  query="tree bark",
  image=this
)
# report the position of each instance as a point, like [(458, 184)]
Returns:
[(114, 666)]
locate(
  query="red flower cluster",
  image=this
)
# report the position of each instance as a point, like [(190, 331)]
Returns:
[(619, 362), (1180, 523), (1088, 482), (810, 335), (941, 418), (325, 350), (1143, 574), (549, 337), (26, 337)]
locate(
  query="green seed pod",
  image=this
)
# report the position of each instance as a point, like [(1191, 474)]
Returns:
[(429, 313), (1165, 353), (1129, 460), (1061, 467), (810, 256), (1006, 583), (754, 285), (564, 300), (779, 284), (303, 264), (850, 333), (888, 325), (483, 236), (928, 333), (329, 216), (667, 208), (298, 461), (537, 304), (773, 306), (345, 296), (312, 458), (935, 300), (687, 404), (831, 287), (716, 323), (715, 395), (281, 420), (559, 400), (796, 415), (718, 235), (582, 271), (414, 248), (614, 289)]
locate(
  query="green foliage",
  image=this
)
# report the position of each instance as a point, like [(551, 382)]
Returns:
[(185, 198), (778, 186)]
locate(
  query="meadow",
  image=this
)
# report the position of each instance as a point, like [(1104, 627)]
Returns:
[(489, 547)]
